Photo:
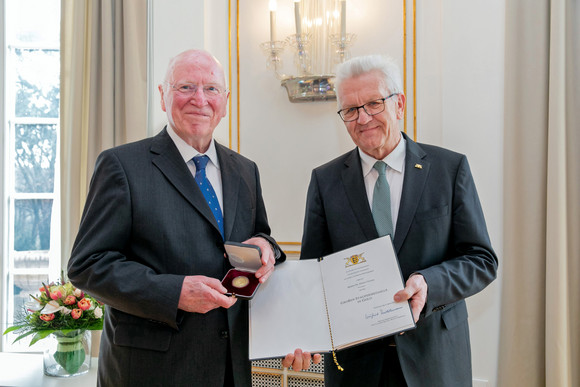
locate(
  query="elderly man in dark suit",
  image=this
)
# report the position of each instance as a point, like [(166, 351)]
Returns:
[(151, 242), (425, 198)]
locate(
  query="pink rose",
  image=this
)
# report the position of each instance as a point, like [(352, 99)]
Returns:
[(70, 300)]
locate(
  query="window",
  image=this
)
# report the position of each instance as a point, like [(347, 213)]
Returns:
[(30, 160)]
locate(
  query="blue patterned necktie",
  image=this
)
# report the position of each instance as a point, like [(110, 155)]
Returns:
[(207, 190), (382, 202)]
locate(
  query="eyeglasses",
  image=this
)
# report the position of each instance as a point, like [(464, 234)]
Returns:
[(371, 108), (187, 89)]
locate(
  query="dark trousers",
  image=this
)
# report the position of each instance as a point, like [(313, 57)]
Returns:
[(229, 376), (373, 364), (392, 375)]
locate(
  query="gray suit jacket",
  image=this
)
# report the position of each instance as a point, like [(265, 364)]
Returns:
[(440, 233), (145, 226)]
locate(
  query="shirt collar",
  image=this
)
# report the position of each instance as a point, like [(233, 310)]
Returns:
[(188, 152), (395, 159)]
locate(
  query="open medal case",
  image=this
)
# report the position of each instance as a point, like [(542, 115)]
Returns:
[(241, 281)]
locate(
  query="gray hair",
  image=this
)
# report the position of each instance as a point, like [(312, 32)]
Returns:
[(388, 69)]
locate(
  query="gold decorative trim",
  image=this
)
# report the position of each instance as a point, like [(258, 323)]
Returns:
[(230, 71), (238, 66), (405, 61), (289, 245), (414, 10), (414, 70), (230, 134)]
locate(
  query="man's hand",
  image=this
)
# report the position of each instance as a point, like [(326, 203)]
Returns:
[(416, 291), (268, 258), (299, 360), (201, 294)]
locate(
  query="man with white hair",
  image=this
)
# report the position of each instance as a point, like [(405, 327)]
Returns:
[(151, 242), (425, 198)]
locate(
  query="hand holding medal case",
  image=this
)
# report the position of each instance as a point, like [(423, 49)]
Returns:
[(241, 281)]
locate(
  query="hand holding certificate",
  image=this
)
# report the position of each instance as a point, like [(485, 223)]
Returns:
[(335, 302)]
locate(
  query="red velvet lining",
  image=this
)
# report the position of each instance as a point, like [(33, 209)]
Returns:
[(246, 292)]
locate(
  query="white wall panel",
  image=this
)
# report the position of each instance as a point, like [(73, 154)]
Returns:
[(286, 139)]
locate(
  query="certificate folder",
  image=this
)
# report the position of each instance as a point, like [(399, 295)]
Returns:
[(332, 303)]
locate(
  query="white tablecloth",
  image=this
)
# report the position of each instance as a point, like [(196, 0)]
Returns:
[(25, 370)]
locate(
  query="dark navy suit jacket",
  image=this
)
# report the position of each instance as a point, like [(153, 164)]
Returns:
[(145, 226), (440, 233)]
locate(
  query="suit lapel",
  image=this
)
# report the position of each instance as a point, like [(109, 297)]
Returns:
[(413, 185), (168, 160), (230, 186), (354, 186)]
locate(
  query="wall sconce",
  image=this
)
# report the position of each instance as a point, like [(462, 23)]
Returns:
[(320, 42)]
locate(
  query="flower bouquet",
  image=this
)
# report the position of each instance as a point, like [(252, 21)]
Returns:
[(68, 314)]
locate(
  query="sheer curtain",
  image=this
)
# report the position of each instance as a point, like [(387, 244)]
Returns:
[(103, 92), (540, 331)]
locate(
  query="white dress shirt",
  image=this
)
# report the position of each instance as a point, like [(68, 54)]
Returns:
[(395, 174), (212, 170)]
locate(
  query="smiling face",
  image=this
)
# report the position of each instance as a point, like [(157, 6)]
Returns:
[(194, 116), (375, 135)]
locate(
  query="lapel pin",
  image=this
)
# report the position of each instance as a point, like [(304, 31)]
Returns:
[(418, 166)]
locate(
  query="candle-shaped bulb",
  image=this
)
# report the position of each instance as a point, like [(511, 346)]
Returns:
[(272, 7), (297, 17), (343, 19)]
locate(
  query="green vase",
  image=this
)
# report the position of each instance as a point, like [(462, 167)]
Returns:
[(69, 354)]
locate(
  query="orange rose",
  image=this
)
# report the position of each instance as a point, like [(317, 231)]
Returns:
[(84, 304), (47, 317)]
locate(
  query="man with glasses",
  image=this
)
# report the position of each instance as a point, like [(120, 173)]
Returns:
[(151, 242), (422, 196)]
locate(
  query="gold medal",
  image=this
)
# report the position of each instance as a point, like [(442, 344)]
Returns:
[(240, 282)]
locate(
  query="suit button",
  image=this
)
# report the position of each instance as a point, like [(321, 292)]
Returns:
[(225, 334)]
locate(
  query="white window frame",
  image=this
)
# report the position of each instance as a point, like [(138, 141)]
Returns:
[(9, 196)]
